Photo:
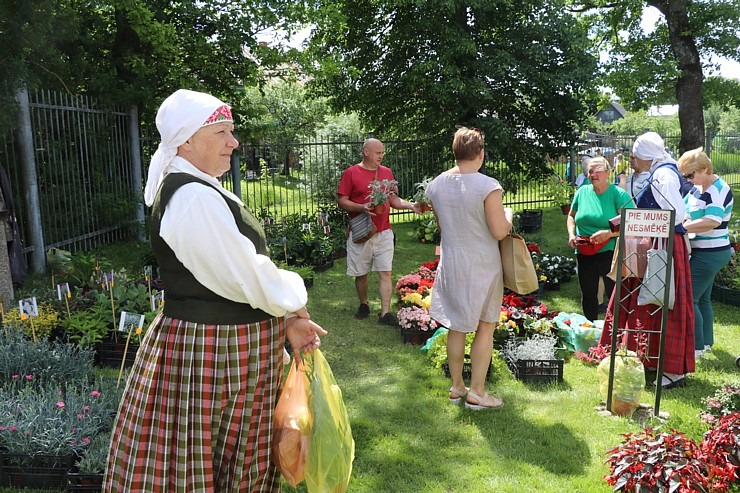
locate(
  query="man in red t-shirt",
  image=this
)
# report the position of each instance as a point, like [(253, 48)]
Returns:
[(377, 253)]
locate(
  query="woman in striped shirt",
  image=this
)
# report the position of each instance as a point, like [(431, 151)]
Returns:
[(708, 211)]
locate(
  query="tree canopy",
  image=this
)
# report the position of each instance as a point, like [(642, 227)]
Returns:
[(138, 51), (522, 71), (665, 66)]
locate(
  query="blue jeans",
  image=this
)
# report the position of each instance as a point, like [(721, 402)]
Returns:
[(704, 267)]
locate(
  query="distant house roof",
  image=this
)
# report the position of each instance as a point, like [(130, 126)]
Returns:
[(613, 112)]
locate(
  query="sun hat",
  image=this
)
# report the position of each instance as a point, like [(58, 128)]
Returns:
[(182, 114)]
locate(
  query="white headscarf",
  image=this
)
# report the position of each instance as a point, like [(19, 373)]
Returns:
[(181, 115), (650, 146)]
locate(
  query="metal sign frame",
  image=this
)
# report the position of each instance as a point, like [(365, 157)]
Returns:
[(649, 223)]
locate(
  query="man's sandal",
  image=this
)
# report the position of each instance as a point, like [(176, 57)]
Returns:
[(485, 402), (456, 396)]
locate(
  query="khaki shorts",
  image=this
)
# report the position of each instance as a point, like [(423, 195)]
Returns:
[(376, 254)]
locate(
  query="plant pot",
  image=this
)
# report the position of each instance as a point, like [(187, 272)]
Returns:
[(735, 245), (381, 209), (84, 482), (416, 337), (425, 207), (730, 296), (716, 293), (308, 282), (530, 220), (323, 266), (622, 407), (110, 354), (565, 209)]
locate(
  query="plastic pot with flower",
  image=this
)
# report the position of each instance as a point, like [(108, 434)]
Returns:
[(420, 194), (560, 192), (380, 192)]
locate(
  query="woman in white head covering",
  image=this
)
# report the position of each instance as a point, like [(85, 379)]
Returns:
[(662, 191), (196, 414)]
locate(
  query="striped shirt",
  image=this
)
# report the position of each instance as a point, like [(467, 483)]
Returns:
[(714, 203)]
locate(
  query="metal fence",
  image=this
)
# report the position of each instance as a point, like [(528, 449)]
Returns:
[(82, 157)]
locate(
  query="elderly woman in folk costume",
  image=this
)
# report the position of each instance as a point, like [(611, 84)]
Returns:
[(196, 414), (662, 191)]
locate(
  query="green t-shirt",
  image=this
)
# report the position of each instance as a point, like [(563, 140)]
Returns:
[(593, 211)]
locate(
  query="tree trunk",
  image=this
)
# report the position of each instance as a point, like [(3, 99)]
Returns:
[(689, 85)]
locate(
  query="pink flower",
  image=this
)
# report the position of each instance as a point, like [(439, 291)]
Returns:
[(85, 408), (80, 416), (13, 428), (416, 318), (95, 393), (16, 377), (86, 441), (60, 404), (29, 377)]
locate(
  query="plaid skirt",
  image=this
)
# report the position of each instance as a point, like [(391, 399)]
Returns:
[(644, 322), (196, 414)]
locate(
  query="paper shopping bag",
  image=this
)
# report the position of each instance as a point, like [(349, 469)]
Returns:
[(516, 261)]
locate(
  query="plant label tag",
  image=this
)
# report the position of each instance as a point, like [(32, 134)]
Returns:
[(157, 300), (28, 308), (130, 322)]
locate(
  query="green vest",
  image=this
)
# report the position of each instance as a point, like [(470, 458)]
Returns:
[(186, 298)]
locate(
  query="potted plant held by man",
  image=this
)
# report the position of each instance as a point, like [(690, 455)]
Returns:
[(380, 192)]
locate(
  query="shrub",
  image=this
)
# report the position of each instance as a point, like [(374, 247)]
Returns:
[(649, 462), (722, 445), (46, 321)]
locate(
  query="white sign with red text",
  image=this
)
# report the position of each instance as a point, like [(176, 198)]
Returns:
[(653, 223)]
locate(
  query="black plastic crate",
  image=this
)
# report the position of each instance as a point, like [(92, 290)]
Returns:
[(85, 482), (467, 369), (530, 220), (538, 371), (416, 336), (38, 472)]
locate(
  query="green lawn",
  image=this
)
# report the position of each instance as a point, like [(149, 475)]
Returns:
[(409, 438), (547, 439)]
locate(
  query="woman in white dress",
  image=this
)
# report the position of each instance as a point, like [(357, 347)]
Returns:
[(469, 284)]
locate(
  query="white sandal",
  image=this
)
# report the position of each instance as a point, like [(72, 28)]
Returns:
[(485, 402)]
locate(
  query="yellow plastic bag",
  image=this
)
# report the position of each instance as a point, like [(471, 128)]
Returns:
[(292, 426), (332, 448), (629, 381)]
